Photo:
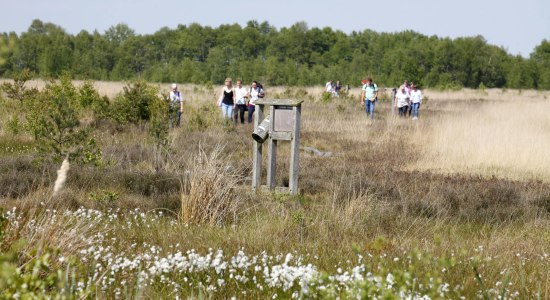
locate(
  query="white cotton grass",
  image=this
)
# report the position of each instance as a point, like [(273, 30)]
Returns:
[(61, 176), (110, 267)]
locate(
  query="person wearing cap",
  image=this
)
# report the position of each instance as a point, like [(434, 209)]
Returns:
[(175, 106)]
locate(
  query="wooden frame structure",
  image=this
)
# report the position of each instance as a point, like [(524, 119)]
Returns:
[(283, 122)]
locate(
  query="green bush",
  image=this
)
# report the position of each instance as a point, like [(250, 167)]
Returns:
[(89, 98), (34, 280), (14, 125), (53, 118), (17, 90), (326, 97), (138, 102), (203, 117)]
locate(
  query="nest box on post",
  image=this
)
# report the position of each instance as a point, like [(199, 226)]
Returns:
[(282, 123)]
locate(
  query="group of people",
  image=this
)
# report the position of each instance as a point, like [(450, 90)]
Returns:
[(334, 88), (234, 101), (407, 98)]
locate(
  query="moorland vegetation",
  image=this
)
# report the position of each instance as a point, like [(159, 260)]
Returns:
[(454, 205)]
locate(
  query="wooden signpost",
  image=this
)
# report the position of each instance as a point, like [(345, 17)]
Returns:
[(281, 124)]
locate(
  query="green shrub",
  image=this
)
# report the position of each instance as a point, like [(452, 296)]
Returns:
[(326, 97), (138, 102), (14, 125), (53, 118), (104, 196), (203, 117), (34, 280), (17, 90), (89, 98)]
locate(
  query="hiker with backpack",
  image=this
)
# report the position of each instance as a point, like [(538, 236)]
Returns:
[(369, 95), (256, 92), (175, 106)]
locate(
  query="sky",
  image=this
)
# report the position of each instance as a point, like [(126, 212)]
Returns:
[(517, 26)]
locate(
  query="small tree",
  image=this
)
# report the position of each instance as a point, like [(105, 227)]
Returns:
[(17, 90), (53, 118)]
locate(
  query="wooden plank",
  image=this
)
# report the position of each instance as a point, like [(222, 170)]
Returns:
[(281, 136), (284, 118), (284, 102), (277, 189)]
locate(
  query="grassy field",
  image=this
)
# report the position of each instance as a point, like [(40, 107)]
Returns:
[(454, 205)]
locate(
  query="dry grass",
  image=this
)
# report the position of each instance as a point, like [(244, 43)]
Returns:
[(508, 139), (212, 198), (40, 223)]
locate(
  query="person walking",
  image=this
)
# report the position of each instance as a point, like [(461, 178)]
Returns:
[(329, 88), (241, 95), (227, 99), (369, 95), (175, 107), (402, 98), (254, 94), (337, 88), (416, 100)]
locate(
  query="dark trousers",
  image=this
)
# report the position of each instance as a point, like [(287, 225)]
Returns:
[(175, 117), (251, 109), (239, 112), (403, 111)]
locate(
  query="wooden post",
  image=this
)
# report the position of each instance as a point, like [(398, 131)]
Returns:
[(295, 152), (271, 154), (257, 152), (393, 104)]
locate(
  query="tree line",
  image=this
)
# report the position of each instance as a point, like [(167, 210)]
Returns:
[(295, 55)]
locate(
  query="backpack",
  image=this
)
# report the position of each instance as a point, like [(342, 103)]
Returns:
[(260, 94), (374, 87), (261, 91)]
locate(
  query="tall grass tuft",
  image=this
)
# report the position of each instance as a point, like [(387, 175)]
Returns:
[(211, 197)]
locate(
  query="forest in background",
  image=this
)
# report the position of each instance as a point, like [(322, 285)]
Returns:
[(295, 56)]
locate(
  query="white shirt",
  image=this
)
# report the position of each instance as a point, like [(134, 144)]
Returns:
[(402, 99), (254, 92), (328, 87), (239, 95), (416, 96), (175, 97)]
